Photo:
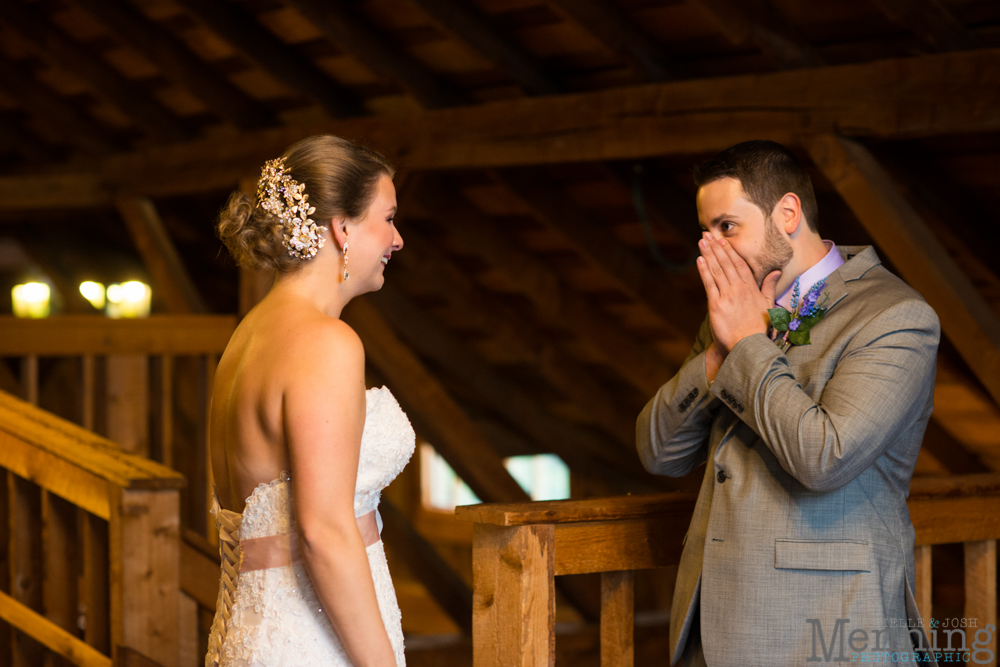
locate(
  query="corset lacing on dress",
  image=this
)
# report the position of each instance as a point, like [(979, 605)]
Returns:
[(228, 523)]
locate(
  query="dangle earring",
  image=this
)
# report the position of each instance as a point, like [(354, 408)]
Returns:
[(347, 274)]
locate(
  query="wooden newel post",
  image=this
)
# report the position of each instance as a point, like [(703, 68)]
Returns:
[(145, 572), (513, 604)]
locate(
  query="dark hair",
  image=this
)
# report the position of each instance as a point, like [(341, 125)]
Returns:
[(767, 171), (340, 178)]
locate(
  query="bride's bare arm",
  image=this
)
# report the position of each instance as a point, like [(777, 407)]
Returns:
[(324, 414)]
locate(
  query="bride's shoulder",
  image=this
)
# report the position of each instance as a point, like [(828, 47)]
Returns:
[(317, 340)]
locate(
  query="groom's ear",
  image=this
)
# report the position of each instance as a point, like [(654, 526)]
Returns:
[(788, 213)]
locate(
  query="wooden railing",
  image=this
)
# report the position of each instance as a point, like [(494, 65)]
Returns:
[(89, 546), (518, 549)]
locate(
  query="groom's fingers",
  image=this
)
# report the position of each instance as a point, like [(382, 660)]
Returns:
[(712, 262), (740, 264), (707, 279), (722, 250)]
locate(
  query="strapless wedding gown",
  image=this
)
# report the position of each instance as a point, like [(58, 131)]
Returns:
[(271, 617)]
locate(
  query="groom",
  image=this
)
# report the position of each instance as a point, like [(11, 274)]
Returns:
[(800, 547)]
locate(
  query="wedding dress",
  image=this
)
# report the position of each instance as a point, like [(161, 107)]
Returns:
[(271, 617)]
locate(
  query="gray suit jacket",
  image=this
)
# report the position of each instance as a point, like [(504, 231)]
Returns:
[(802, 511)]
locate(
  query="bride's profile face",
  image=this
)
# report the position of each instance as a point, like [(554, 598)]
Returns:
[(374, 239)]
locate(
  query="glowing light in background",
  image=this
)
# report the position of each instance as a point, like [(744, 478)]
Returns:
[(94, 293), (129, 299), (31, 300)]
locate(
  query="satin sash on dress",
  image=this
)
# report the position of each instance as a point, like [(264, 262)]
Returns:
[(261, 553)]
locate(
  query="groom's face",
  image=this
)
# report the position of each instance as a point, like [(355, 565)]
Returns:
[(725, 212)]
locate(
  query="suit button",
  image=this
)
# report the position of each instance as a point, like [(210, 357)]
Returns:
[(739, 408), (694, 392), (721, 477)]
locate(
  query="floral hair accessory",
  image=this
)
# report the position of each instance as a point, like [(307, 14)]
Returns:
[(794, 326), (285, 198)]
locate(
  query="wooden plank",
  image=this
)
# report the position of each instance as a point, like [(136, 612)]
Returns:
[(51, 635), (931, 21), (282, 61), (441, 581), (25, 562), (617, 619), (199, 571), (624, 544), (61, 565), (88, 390), (29, 378), (981, 592), (342, 25), (127, 401), (170, 277), (179, 63), (187, 647), (888, 99), (126, 656), (210, 365), (167, 410), (573, 511), (513, 613), (68, 335), (900, 232), (145, 572), (923, 585), (96, 586), (6, 636)]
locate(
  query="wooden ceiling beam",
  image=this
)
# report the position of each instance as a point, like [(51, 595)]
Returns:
[(180, 64), (911, 246), (241, 29), (759, 24), (931, 21), (60, 50), (55, 112), (474, 27), (639, 364), (891, 99), (346, 28), (622, 36)]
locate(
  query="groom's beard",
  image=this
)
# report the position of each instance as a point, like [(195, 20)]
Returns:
[(774, 256)]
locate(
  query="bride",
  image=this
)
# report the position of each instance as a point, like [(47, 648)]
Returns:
[(299, 450)]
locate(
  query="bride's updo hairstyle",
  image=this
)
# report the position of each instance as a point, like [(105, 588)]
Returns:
[(340, 178)]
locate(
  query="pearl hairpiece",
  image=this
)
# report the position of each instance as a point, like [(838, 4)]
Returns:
[(285, 198)]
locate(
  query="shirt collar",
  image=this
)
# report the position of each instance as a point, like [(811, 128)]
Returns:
[(821, 269)]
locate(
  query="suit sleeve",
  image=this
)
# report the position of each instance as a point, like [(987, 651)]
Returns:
[(671, 432), (878, 387)]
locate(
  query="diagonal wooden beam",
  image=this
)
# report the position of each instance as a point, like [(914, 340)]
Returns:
[(639, 364), (621, 35), (61, 50), (908, 242), (475, 28), (179, 63), (54, 111), (160, 256), (241, 29), (341, 23), (931, 21), (759, 24)]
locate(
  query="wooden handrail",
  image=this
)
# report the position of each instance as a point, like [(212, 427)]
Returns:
[(577, 511), (68, 335), (49, 634)]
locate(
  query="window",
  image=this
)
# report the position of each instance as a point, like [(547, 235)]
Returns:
[(542, 476)]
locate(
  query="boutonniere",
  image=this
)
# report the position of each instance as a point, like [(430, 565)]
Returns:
[(793, 327)]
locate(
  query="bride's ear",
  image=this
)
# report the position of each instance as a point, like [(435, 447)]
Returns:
[(338, 230)]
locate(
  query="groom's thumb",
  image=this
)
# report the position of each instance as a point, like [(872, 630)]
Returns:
[(769, 286)]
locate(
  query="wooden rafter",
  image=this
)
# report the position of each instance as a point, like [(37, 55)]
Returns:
[(759, 24), (473, 26), (931, 21), (643, 366), (622, 36), (904, 236), (343, 26), (61, 50), (54, 111), (160, 256), (891, 99), (179, 63), (238, 27)]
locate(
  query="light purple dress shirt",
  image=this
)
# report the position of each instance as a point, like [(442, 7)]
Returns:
[(821, 269)]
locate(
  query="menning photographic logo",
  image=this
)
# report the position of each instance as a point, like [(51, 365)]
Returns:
[(874, 645)]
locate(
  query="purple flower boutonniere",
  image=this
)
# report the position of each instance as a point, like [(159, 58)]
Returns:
[(793, 327)]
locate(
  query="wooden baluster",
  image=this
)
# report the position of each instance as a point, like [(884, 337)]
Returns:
[(25, 561), (513, 606), (5, 561), (145, 582), (59, 588), (211, 364), (922, 586), (89, 391), (981, 590), (96, 583), (128, 402), (167, 409), (188, 653), (29, 378), (617, 619)]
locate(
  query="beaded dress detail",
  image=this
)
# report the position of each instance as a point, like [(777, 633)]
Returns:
[(271, 617)]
